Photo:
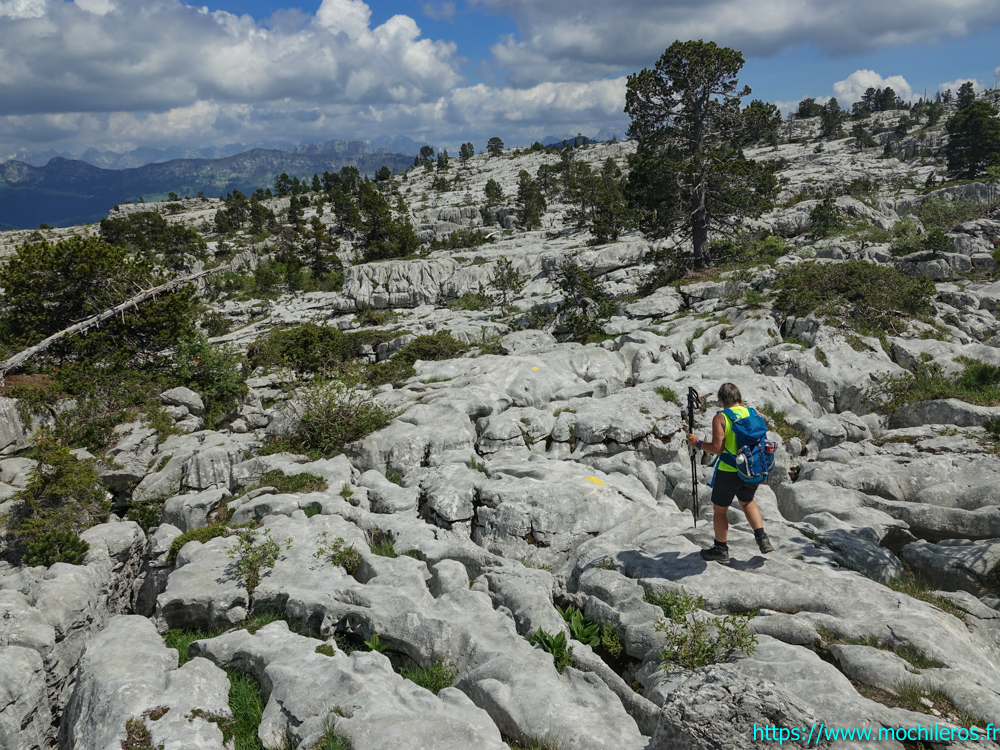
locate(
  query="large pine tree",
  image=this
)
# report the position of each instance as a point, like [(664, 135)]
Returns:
[(689, 174)]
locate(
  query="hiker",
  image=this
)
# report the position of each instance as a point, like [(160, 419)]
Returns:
[(727, 483)]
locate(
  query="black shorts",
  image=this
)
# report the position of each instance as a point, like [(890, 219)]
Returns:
[(728, 485)]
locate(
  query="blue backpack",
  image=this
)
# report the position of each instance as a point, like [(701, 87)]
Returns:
[(754, 457)]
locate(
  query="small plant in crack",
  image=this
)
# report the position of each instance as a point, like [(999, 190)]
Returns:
[(254, 558), (340, 553)]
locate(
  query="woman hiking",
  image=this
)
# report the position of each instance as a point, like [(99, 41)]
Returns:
[(727, 483)]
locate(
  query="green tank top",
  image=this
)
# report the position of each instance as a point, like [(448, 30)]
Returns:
[(730, 441)]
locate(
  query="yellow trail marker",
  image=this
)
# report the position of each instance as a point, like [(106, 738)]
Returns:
[(534, 368), (595, 480)]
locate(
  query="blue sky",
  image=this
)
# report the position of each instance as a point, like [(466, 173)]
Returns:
[(118, 74)]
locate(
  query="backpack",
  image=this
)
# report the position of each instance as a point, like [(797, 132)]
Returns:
[(754, 457)]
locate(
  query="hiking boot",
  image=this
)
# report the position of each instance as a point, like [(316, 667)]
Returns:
[(764, 544), (715, 553)]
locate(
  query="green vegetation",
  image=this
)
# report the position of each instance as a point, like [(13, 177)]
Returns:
[(380, 543), (586, 303), (506, 283), (978, 383), (778, 422), (667, 394), (694, 641), (138, 736), (669, 267), (204, 534), (50, 286), (973, 139), (944, 214), (246, 703), (312, 348), (326, 649), (871, 299), (291, 483), (63, 497), (825, 218), (429, 348), (331, 739), (182, 639), (340, 553), (435, 677), (254, 554), (473, 301), (687, 121), (749, 247), (582, 629), (375, 644), (330, 414), (149, 234), (562, 654), (611, 641)]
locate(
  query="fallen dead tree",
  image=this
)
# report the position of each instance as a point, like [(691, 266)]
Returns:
[(84, 325)]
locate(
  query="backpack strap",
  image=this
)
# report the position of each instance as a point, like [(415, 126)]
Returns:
[(726, 457)]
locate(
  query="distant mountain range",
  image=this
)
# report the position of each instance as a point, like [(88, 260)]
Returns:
[(65, 192), (147, 155)]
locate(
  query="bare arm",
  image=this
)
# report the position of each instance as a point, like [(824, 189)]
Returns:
[(718, 436)]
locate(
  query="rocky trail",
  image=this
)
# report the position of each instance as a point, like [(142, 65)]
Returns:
[(530, 476)]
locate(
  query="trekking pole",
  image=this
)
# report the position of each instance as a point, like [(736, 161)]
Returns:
[(693, 403)]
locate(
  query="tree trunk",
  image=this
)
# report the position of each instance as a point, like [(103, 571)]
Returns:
[(699, 229), (21, 357)]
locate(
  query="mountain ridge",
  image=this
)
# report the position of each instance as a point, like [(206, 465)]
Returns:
[(72, 191)]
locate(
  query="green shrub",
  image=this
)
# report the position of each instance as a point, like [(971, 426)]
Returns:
[(978, 383), (292, 483), (254, 554), (945, 214), (63, 497), (872, 299), (369, 316), (204, 534), (906, 240), (693, 641), (473, 301), (47, 287), (669, 266), (562, 654), (749, 248), (461, 239), (611, 641), (435, 678), (146, 514), (216, 373), (429, 348), (312, 348), (825, 218), (215, 324), (586, 303), (329, 414), (340, 553)]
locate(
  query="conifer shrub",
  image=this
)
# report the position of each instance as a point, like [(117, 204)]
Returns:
[(870, 298), (429, 348), (329, 414), (64, 496), (312, 348)]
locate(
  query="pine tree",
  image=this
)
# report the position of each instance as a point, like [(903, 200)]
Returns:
[(689, 173)]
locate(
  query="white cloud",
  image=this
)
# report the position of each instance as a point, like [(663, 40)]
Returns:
[(852, 88), (22, 8), (117, 74), (955, 85), (444, 11), (576, 39)]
